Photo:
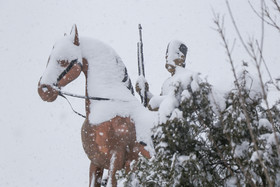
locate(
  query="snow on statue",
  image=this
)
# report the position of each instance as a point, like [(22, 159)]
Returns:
[(113, 128), (173, 87)]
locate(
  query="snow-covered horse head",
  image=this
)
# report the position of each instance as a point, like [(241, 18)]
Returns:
[(108, 133)]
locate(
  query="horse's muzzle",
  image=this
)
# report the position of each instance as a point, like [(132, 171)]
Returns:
[(47, 92)]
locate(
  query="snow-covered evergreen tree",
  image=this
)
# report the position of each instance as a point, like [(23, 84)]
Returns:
[(209, 145)]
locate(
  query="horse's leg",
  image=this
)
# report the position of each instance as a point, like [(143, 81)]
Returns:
[(95, 175), (116, 162)]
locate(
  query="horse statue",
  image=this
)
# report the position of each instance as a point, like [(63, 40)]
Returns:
[(108, 132)]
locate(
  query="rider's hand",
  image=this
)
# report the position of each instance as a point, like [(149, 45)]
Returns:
[(141, 85)]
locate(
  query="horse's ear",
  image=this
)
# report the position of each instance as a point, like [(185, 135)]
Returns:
[(74, 35)]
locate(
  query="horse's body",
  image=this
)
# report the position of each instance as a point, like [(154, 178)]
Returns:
[(108, 133)]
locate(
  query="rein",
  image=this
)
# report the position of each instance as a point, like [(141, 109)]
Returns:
[(85, 97), (62, 94)]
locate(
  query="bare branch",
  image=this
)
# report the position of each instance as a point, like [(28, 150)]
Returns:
[(262, 32), (258, 14), (276, 4), (264, 62), (247, 118), (267, 18), (266, 101), (236, 28)]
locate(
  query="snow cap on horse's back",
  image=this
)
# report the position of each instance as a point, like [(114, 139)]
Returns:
[(74, 35)]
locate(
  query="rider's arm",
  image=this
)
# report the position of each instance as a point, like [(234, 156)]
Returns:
[(141, 86)]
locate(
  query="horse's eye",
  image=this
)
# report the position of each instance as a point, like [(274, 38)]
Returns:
[(63, 63)]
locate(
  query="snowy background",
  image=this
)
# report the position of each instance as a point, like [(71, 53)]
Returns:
[(40, 142)]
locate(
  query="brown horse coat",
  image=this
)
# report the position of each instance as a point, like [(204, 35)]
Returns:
[(111, 144)]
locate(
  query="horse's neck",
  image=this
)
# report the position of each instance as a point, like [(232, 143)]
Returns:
[(85, 71)]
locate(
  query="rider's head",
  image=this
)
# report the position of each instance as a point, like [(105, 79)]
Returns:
[(175, 55)]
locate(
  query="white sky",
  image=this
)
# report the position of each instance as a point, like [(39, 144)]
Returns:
[(40, 142)]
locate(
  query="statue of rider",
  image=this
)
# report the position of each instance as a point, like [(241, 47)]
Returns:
[(175, 59)]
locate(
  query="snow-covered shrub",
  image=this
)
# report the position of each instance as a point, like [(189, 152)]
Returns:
[(182, 148), (210, 147), (253, 153)]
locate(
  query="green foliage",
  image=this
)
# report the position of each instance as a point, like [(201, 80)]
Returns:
[(213, 147)]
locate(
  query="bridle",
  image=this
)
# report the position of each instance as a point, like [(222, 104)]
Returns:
[(69, 67), (62, 93)]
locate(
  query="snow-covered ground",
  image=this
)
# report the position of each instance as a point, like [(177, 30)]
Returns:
[(40, 142)]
